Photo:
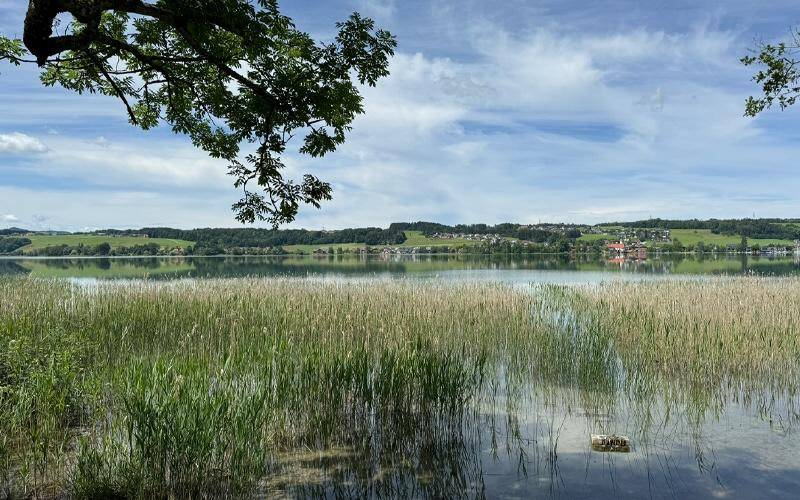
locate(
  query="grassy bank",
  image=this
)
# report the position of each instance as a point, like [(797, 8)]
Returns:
[(216, 387), (39, 242)]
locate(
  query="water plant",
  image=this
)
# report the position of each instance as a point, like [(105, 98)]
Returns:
[(256, 386)]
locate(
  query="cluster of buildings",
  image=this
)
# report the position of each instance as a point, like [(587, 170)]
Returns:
[(488, 238), (621, 250), (117, 235), (563, 229), (629, 234), (405, 251), (385, 251)]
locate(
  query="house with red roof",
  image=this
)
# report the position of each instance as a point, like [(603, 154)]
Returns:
[(618, 248)]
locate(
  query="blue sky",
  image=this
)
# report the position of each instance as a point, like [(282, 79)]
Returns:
[(495, 111)]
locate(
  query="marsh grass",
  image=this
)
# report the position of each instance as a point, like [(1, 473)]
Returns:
[(215, 387), (726, 331)]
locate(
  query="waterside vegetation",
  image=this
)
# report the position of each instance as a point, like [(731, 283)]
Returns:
[(222, 387)]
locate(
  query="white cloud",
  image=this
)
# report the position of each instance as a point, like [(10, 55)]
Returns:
[(145, 162), (565, 126), (59, 210), (9, 218), (538, 122), (17, 142), (380, 10)]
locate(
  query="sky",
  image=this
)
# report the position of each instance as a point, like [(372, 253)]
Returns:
[(515, 111)]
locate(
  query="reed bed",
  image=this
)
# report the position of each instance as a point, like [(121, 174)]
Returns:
[(192, 387), (211, 387), (732, 329)]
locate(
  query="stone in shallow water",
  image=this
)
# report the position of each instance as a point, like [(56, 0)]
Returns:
[(611, 442)]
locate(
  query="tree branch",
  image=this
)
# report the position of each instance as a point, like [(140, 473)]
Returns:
[(116, 88)]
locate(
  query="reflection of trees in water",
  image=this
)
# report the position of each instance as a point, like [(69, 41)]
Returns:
[(104, 263), (513, 427), (408, 456), (12, 268), (354, 266)]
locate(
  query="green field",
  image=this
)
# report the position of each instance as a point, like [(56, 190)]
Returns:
[(595, 237), (43, 241), (694, 236), (417, 239)]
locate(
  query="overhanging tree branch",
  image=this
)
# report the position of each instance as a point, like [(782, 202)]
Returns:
[(180, 62)]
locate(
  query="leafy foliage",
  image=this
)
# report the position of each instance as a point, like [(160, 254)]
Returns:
[(778, 77), (230, 74), (10, 244), (11, 50)]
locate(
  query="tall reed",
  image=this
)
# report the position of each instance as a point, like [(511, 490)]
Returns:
[(215, 387)]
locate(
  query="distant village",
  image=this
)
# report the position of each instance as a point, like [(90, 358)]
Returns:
[(492, 239)]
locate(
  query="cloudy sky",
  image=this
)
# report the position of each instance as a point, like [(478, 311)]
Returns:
[(551, 110)]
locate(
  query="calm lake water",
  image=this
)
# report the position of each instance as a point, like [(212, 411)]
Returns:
[(518, 269), (738, 440)]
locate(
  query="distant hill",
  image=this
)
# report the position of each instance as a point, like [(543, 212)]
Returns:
[(665, 234)]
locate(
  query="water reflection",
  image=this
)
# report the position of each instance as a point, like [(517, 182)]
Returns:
[(547, 268), (541, 448)]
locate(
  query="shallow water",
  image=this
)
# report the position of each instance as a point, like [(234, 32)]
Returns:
[(734, 455), (543, 450)]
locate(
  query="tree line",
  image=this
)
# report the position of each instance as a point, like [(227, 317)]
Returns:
[(268, 238), (101, 250), (10, 244)]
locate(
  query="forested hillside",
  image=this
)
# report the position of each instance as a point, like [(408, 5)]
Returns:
[(269, 238)]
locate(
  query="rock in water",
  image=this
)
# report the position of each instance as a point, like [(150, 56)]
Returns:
[(611, 442)]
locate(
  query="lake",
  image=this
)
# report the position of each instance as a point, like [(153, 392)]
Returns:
[(515, 269), (721, 429)]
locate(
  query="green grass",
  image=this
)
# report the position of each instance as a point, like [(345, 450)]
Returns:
[(727, 329), (211, 387), (43, 241), (188, 389), (693, 236), (417, 239), (595, 237)]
